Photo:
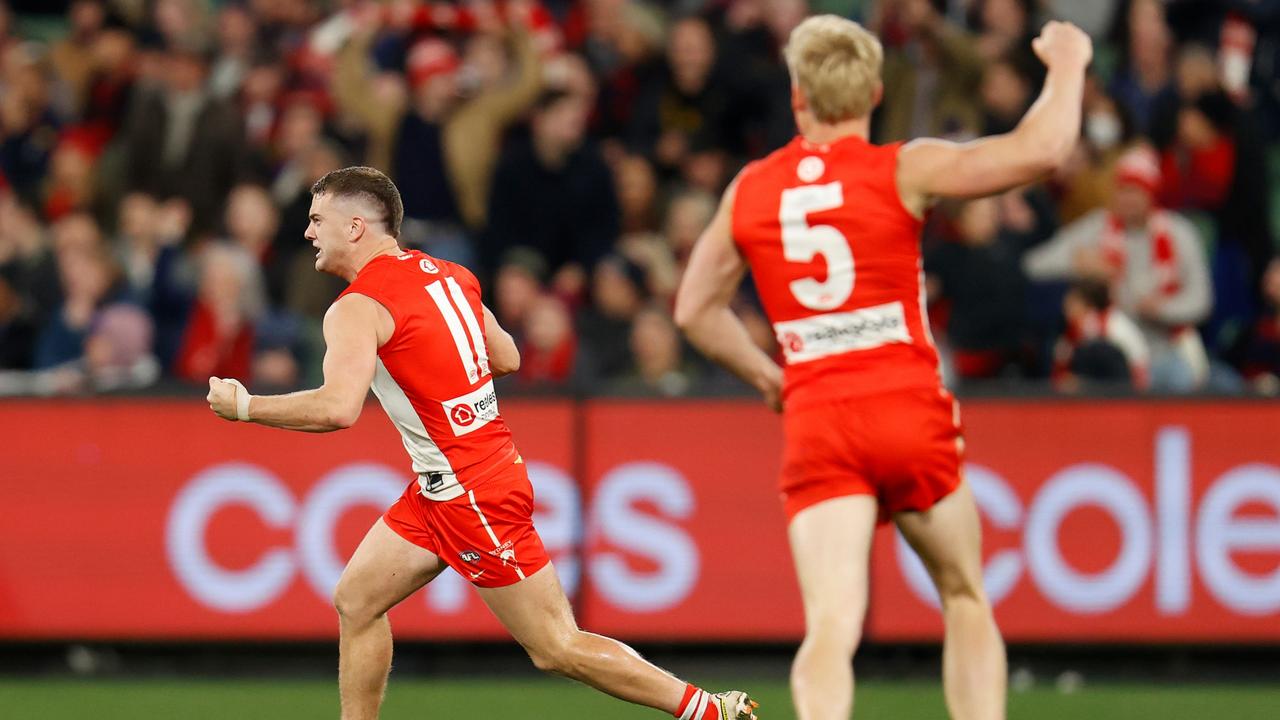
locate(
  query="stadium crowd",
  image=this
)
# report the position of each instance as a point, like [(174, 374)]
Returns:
[(156, 158)]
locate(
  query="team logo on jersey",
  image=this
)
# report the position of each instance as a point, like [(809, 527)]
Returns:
[(470, 412), (428, 266), (810, 169), (463, 415), (470, 556)]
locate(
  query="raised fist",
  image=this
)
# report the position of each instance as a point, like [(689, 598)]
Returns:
[(1064, 45)]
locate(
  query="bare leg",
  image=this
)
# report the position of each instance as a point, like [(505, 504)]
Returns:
[(830, 544), (948, 538), (538, 616), (384, 570)]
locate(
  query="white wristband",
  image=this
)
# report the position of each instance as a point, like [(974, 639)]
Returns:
[(242, 400)]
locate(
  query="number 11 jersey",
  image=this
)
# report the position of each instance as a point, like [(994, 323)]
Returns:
[(432, 376), (836, 260)]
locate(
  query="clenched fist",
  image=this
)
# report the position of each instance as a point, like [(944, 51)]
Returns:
[(1064, 45), (225, 398)]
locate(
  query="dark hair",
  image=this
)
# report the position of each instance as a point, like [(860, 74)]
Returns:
[(1095, 293), (369, 185)]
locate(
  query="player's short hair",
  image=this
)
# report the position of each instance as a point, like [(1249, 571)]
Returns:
[(369, 185), (836, 64)]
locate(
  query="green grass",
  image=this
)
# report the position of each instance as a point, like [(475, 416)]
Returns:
[(554, 699)]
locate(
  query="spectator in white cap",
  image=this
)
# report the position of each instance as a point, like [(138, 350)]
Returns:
[(1153, 260)]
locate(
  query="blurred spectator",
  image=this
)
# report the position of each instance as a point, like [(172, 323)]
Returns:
[(518, 283), (688, 215), (18, 329), (981, 277), (1006, 29), (89, 279), (1144, 79), (658, 362), (1094, 324), (220, 333), (549, 349), (1155, 263), (28, 126), (443, 151), (1006, 94), (181, 141), (1261, 361), (553, 192), (1083, 182), (637, 194), (118, 352), (237, 38), (682, 117), (73, 55), (618, 295), (935, 71), (26, 258)]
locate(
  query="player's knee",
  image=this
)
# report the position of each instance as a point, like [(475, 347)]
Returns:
[(353, 607), (841, 632), (558, 657), (955, 586)]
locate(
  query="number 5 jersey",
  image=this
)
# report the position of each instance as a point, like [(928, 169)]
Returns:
[(836, 259)]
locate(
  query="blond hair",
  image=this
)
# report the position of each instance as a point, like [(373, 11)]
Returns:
[(836, 64)]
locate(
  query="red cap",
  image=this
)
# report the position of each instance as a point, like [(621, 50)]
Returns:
[(1139, 166), (429, 58)]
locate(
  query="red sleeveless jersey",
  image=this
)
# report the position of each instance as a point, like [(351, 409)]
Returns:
[(433, 376), (836, 259)]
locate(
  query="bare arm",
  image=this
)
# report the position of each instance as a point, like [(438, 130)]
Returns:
[(702, 307), (351, 337), (504, 356), (930, 168)]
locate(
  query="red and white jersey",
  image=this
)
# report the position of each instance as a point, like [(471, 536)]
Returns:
[(836, 259), (433, 375)]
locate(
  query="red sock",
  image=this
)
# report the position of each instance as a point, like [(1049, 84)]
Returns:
[(697, 705)]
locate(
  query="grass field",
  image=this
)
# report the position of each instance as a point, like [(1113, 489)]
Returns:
[(553, 699)]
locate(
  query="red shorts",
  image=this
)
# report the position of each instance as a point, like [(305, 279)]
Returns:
[(486, 534), (904, 447)]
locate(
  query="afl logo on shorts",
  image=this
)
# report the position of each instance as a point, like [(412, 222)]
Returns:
[(428, 266), (463, 415), (810, 169), (469, 556)]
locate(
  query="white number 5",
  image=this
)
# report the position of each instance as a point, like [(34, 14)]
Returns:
[(802, 241)]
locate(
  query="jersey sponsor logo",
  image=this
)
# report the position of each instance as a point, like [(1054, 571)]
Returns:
[(467, 413), (463, 415), (470, 556), (821, 335), (427, 266), (810, 169)]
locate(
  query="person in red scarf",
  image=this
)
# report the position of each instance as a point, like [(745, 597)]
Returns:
[(1153, 261), (220, 332)]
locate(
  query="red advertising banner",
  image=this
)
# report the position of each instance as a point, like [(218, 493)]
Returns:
[(686, 536), (1123, 521), (153, 519), (145, 519)]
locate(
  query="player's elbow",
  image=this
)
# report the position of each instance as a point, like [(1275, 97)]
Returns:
[(686, 314), (343, 416), (505, 363)]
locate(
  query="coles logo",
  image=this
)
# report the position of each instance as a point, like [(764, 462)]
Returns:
[(463, 415), (639, 508)]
